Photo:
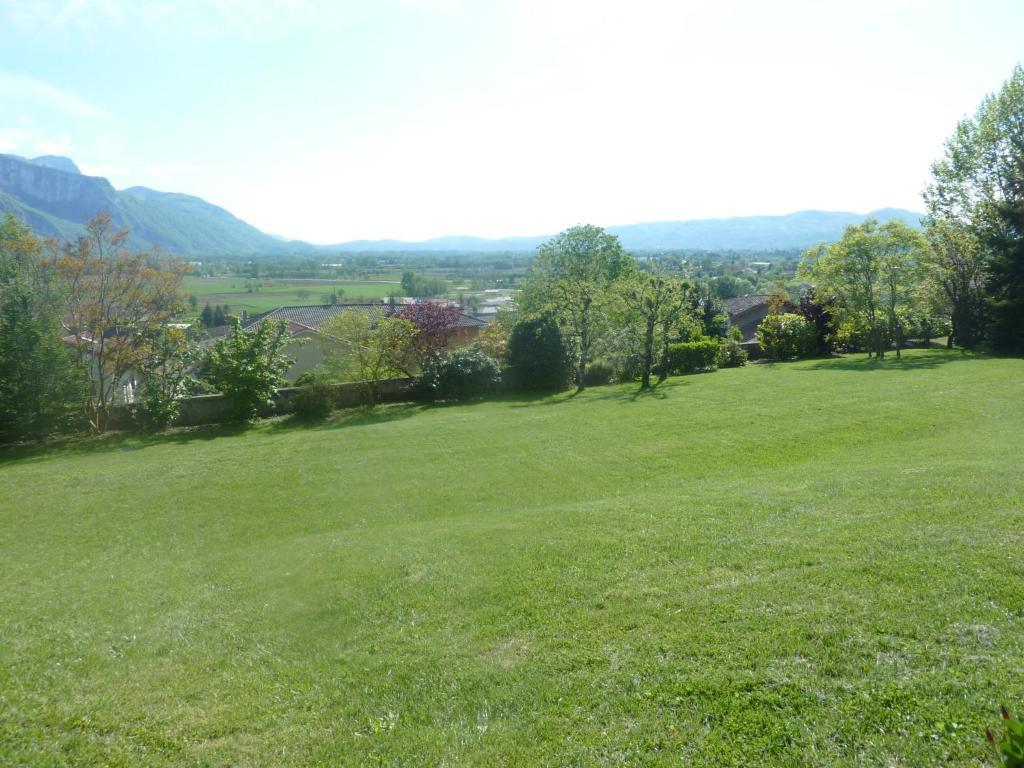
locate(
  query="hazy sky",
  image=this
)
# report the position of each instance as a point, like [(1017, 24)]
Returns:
[(344, 119)]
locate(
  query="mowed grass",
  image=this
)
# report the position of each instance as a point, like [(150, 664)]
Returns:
[(273, 293), (817, 563)]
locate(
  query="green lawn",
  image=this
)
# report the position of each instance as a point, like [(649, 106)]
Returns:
[(280, 293), (816, 563)]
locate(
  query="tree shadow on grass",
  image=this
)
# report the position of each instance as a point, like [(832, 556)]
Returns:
[(622, 393), (76, 445), (913, 362), (350, 417), (134, 441)]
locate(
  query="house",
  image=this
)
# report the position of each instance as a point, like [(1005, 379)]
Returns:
[(487, 310), (747, 312), (304, 329)]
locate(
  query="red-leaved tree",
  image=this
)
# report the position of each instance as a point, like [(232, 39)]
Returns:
[(435, 325)]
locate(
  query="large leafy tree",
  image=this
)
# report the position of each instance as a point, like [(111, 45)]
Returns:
[(1006, 286), (42, 386), (573, 278), (974, 202), (902, 250), (872, 271), (358, 348), (955, 265), (656, 302)]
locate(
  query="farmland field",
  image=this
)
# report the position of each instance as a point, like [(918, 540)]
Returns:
[(272, 293), (817, 563)]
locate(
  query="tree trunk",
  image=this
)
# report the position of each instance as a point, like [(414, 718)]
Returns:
[(645, 381), (581, 371)]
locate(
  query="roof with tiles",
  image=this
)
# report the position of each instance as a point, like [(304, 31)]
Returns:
[(312, 317), (741, 304)]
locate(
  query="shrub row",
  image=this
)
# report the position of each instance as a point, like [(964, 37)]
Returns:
[(693, 356), (783, 336), (459, 374)]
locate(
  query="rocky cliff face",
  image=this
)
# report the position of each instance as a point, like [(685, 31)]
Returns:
[(59, 193), (56, 162)]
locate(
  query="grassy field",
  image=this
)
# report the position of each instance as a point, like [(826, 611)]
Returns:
[(817, 563), (232, 291)]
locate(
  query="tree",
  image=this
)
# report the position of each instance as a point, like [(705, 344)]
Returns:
[(220, 318), (572, 278), (871, 271), (435, 326), (955, 262), (357, 348), (820, 312), (409, 283), (206, 317), (42, 386), (709, 310), (657, 301), (493, 340), (902, 251), (418, 287), (976, 193), (537, 355), (115, 299), (166, 373), (247, 366), (1006, 287)]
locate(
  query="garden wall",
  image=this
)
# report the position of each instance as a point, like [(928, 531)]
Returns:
[(212, 409)]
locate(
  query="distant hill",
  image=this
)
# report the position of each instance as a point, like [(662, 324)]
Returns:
[(55, 198), (795, 230)]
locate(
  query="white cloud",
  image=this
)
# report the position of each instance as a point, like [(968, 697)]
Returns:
[(192, 18), (59, 145), (172, 169), (30, 140), (23, 88), (443, 7), (107, 171)]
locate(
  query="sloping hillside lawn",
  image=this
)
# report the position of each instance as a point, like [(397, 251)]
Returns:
[(818, 563)]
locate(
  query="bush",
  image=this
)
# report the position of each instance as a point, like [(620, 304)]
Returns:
[(315, 398), (314, 374), (157, 408), (537, 356), (692, 356), (247, 367), (783, 336), (598, 373), (731, 354), (458, 375)]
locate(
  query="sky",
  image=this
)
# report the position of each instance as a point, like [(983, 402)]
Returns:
[(334, 120)]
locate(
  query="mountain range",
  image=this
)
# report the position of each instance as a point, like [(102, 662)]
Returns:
[(55, 198)]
